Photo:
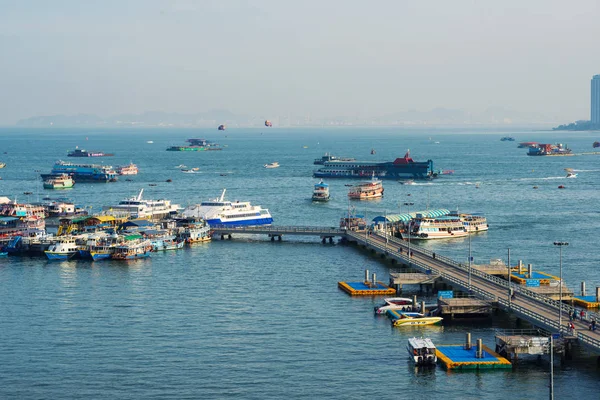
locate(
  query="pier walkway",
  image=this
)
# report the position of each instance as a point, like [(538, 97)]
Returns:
[(536, 308), (541, 311)]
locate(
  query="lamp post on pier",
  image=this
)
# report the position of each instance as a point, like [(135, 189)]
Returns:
[(560, 246), (408, 204)]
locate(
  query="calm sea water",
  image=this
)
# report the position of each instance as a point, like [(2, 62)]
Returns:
[(253, 319)]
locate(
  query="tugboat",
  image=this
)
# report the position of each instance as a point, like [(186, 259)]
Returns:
[(321, 192)]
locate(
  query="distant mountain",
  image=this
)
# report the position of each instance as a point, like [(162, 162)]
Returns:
[(149, 118), (581, 125)]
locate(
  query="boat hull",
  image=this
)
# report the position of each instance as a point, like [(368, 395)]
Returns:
[(130, 256), (417, 321), (54, 256), (249, 222), (97, 256)]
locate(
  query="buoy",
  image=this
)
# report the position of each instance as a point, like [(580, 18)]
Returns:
[(561, 187)]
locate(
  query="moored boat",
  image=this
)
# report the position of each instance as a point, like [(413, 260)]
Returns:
[(63, 249), (321, 192), (137, 207), (224, 212), (422, 351), (394, 303), (168, 244), (135, 246), (443, 227), (62, 181), (367, 190), (402, 318), (472, 222)]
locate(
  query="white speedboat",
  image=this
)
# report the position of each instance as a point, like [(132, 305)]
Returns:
[(421, 351), (272, 165), (137, 207), (233, 213), (570, 173), (394, 303)]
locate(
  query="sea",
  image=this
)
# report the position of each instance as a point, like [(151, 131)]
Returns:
[(254, 319)]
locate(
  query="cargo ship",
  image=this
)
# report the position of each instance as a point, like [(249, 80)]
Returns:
[(196, 145), (400, 168), (83, 172), (85, 153)]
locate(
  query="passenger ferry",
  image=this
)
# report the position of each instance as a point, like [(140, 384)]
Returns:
[(130, 169), (328, 157), (62, 181), (367, 190), (84, 153), (442, 227), (321, 192), (62, 250), (137, 207), (83, 172), (400, 168), (472, 222), (421, 351), (223, 212)]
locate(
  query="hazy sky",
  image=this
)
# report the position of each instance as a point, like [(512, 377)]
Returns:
[(324, 57)]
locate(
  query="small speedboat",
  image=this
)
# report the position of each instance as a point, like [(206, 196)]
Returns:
[(570, 173), (561, 186), (272, 165), (149, 142), (394, 303), (403, 318), (421, 351), (408, 182)]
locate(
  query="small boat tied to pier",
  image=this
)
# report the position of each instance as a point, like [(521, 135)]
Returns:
[(421, 351)]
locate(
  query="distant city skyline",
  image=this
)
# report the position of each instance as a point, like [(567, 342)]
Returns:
[(320, 60)]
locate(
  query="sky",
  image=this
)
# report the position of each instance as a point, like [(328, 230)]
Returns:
[(318, 57)]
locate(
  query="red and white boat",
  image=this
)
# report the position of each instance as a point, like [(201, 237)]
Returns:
[(367, 190), (130, 169), (394, 303)]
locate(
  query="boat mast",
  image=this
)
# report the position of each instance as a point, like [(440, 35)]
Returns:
[(222, 195)]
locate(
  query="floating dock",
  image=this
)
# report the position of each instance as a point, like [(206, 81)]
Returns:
[(586, 301), (366, 288), (458, 357)]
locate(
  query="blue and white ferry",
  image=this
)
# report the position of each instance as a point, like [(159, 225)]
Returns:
[(83, 172), (232, 213)]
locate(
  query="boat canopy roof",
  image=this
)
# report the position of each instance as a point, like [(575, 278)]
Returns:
[(391, 218)]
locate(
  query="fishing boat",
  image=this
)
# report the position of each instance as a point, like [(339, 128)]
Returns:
[(134, 247), (421, 351), (85, 153), (62, 181), (272, 165), (321, 192), (423, 227), (63, 249), (224, 212), (394, 303), (400, 168), (195, 232), (167, 244), (100, 246), (367, 190), (403, 318), (129, 169)]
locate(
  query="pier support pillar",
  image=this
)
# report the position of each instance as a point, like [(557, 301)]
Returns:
[(323, 240), (331, 240), (222, 237), (414, 303), (229, 236), (272, 238), (279, 238)]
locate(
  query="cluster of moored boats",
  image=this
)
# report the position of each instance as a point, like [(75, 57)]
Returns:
[(131, 229)]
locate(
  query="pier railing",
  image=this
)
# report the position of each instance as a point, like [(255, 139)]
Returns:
[(272, 229)]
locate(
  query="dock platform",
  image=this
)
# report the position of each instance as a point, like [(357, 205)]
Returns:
[(466, 307), (366, 288), (458, 357), (586, 301)]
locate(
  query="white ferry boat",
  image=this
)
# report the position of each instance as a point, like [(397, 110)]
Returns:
[(472, 222), (137, 207), (443, 227), (223, 212), (367, 190), (321, 192), (421, 351)]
